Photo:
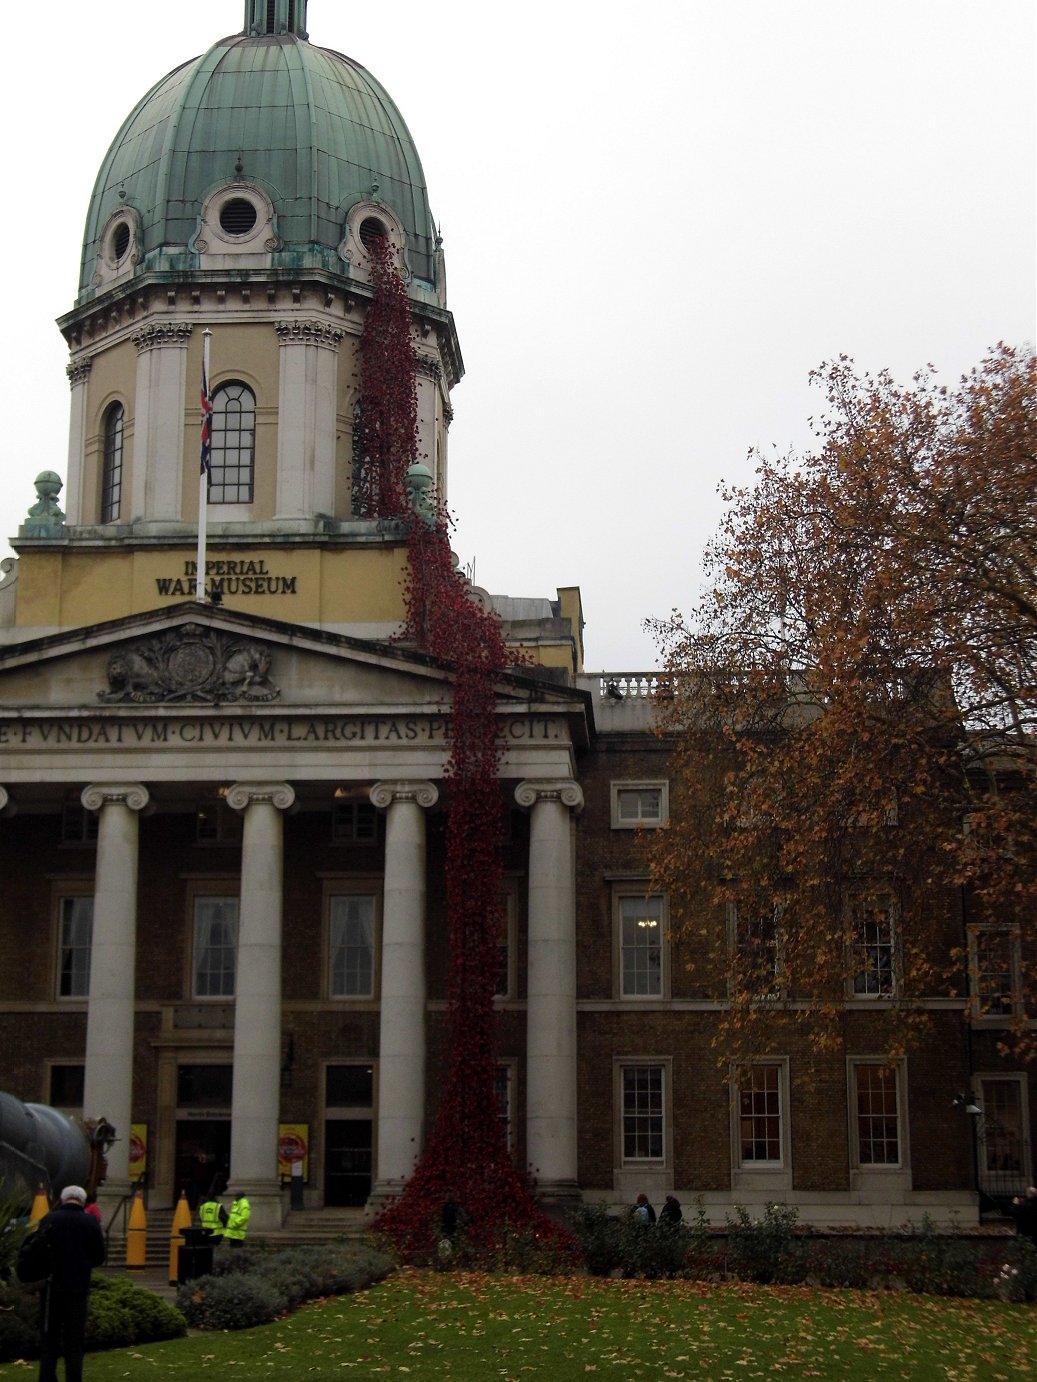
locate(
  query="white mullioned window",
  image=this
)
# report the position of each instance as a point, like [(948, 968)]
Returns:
[(756, 941), (760, 1121), (874, 945), (641, 944), (639, 805), (643, 1103), (875, 1091), (352, 921), (994, 971), (76, 926), (111, 465), (233, 456), (215, 946)]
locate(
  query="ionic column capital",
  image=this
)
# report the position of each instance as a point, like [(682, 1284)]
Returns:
[(245, 794), (131, 794), (424, 794), (561, 789)]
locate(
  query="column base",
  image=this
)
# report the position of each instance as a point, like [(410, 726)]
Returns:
[(383, 1192), (557, 1197)]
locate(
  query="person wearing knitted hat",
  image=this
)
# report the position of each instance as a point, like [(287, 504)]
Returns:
[(77, 1246)]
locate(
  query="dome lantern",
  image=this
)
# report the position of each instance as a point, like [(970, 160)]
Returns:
[(275, 17)]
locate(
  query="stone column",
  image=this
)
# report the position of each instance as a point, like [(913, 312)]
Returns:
[(256, 1099), (401, 1047), (551, 985), (4, 798), (108, 1077), (78, 374), (158, 421), (306, 411)]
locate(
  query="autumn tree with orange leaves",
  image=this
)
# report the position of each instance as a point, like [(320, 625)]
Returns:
[(854, 717)]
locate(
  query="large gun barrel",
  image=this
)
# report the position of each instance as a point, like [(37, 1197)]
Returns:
[(41, 1146)]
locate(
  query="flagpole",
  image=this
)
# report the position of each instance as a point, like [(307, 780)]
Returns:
[(203, 473)]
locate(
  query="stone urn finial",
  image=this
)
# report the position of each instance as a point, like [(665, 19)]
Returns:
[(45, 518)]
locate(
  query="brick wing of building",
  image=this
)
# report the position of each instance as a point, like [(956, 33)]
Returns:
[(222, 825)]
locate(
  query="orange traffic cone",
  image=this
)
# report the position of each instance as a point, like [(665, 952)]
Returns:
[(40, 1206), (137, 1234), (181, 1220)]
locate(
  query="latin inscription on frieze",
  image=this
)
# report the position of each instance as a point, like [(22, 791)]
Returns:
[(209, 733)]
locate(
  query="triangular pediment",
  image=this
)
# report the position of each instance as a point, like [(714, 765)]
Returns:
[(196, 655)]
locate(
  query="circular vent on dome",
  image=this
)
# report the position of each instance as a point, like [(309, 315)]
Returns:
[(371, 229), (120, 240), (238, 216)]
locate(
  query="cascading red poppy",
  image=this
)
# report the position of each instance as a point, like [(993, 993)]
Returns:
[(466, 1158)]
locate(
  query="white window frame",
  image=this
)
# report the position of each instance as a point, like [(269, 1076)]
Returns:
[(640, 821), (370, 889), (983, 1080), (878, 1173), (630, 893), (981, 1015), (777, 989), (198, 944), (866, 980), (664, 1066), (771, 1174), (65, 899)]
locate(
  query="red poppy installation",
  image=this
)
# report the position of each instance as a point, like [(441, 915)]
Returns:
[(465, 1158)]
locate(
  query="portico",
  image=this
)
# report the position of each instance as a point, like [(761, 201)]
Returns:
[(142, 766)]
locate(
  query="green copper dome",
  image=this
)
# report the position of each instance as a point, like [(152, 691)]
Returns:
[(308, 128)]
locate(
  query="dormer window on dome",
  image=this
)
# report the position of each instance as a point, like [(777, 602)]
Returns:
[(119, 247), (237, 228), (367, 222)]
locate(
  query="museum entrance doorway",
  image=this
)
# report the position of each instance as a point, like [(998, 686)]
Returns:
[(348, 1134)]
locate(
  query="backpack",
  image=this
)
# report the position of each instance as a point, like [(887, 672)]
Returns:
[(35, 1256)]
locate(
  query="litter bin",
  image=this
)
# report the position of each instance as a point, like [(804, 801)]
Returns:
[(195, 1257)]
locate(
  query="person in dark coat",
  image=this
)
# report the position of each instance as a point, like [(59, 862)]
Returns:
[(1023, 1210), (77, 1247), (671, 1215)]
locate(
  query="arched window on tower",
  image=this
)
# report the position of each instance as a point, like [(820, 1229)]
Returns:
[(111, 470), (233, 465)]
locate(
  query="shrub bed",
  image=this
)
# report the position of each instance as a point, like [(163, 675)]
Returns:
[(121, 1313), (255, 1285), (771, 1249)]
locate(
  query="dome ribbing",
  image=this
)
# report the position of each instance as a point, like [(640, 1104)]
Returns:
[(307, 126)]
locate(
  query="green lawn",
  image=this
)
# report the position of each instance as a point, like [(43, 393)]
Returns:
[(422, 1325)]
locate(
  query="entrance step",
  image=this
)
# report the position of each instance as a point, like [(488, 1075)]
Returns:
[(320, 1226), (302, 1226)]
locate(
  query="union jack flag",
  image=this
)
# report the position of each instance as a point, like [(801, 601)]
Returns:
[(206, 423)]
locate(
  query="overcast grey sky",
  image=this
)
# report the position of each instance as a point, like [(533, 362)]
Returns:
[(657, 219)]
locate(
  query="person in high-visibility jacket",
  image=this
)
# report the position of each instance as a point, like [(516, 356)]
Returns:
[(237, 1221), (213, 1216)]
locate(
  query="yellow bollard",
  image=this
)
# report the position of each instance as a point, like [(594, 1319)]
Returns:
[(181, 1220), (40, 1206), (137, 1234)]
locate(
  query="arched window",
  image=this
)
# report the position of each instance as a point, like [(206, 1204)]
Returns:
[(232, 470), (111, 471)]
